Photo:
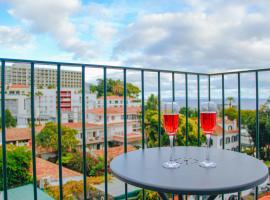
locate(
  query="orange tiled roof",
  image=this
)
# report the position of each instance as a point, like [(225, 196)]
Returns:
[(17, 86), (113, 151), (78, 125), (114, 97), (219, 129), (115, 110), (132, 137), (19, 134), (265, 197), (45, 168), (227, 121)]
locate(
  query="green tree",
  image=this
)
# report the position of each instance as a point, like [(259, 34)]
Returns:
[(152, 103), (230, 100), (151, 127), (94, 165), (249, 120), (18, 166), (47, 138), (192, 112), (114, 87), (231, 113), (10, 120)]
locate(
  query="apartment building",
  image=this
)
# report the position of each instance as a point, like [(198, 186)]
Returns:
[(18, 101), (231, 135), (117, 101), (44, 77)]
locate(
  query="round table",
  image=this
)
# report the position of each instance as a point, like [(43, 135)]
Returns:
[(234, 171)]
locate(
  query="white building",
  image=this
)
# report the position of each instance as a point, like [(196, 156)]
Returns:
[(18, 101), (117, 101), (44, 77), (231, 135)]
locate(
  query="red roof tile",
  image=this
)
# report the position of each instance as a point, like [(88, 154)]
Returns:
[(78, 125), (132, 137), (45, 168), (114, 110), (19, 134), (17, 86), (219, 129), (265, 198), (113, 151), (114, 97)]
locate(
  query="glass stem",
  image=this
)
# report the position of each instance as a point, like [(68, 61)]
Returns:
[(171, 147), (208, 140)]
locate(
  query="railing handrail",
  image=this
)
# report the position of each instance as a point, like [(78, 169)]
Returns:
[(78, 64), (75, 64)]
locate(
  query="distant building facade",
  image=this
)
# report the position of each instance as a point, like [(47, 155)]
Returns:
[(44, 77), (231, 135)]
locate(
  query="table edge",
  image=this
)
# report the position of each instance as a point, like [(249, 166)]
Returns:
[(190, 191)]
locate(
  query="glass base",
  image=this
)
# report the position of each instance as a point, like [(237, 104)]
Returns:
[(208, 164), (171, 165)]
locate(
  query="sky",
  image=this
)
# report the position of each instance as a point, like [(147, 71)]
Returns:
[(185, 35)]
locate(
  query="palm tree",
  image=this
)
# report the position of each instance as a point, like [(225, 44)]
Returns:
[(39, 94), (230, 100)]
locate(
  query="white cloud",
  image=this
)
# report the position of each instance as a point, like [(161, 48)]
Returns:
[(207, 38), (53, 17), (14, 38)]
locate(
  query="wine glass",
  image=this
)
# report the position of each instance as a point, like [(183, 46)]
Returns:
[(170, 122), (208, 123)]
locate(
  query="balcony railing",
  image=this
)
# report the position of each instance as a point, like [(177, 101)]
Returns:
[(142, 71)]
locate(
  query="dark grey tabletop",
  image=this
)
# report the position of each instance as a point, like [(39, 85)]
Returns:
[(234, 172)]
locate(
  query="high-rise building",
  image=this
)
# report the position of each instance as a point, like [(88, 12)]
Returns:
[(44, 77)]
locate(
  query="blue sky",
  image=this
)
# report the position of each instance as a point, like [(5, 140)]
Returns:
[(193, 35)]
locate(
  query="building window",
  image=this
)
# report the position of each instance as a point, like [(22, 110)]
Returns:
[(230, 127), (228, 140), (113, 117)]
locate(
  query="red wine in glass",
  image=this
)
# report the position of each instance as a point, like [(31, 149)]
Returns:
[(208, 122), (170, 123), (170, 112)]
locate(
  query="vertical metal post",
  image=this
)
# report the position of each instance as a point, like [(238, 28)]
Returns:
[(199, 118), (223, 113), (209, 88), (59, 130), (125, 123), (186, 88), (173, 99), (84, 135), (257, 118), (142, 108), (173, 87), (33, 134), (105, 132), (3, 121), (239, 111), (239, 117), (159, 112), (257, 126)]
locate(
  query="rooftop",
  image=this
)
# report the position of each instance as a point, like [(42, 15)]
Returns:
[(20, 134), (114, 97), (48, 169), (114, 151), (115, 110)]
